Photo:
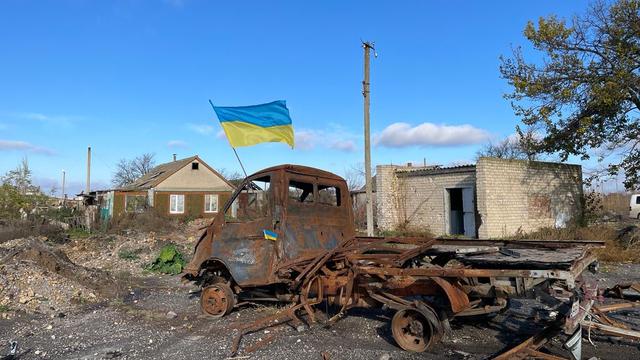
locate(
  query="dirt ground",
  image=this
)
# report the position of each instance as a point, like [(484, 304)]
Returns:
[(136, 314)]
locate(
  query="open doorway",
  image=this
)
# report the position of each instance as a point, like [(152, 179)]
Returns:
[(460, 211)]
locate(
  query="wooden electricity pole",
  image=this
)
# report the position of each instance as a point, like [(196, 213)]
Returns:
[(88, 189), (64, 196), (367, 46)]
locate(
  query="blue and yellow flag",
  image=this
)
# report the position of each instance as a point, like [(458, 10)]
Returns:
[(270, 235), (250, 125)]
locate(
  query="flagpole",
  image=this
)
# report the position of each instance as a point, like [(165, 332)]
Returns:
[(242, 166)]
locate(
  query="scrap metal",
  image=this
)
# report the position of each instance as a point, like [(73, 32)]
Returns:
[(316, 258)]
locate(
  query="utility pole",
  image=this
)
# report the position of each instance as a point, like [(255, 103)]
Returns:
[(64, 196), (367, 46), (88, 170)]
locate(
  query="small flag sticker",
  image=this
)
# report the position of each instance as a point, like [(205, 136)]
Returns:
[(270, 235)]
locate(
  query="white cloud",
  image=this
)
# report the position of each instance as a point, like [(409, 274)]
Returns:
[(401, 134), (177, 144), (343, 145), (65, 120), (16, 145), (221, 135), (305, 139), (335, 139), (203, 129)]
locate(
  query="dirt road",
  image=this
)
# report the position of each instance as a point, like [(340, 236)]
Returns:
[(158, 318)]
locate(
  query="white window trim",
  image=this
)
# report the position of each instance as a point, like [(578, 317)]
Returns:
[(176, 196), (205, 203)]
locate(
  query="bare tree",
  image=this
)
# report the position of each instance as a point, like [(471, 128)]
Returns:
[(513, 147), (230, 174), (128, 171), (354, 176)]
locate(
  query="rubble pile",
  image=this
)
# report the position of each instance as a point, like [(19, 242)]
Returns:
[(37, 277)]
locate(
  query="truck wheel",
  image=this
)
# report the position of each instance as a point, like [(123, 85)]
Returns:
[(217, 300), (416, 330)]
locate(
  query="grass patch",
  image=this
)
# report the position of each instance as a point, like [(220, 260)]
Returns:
[(4, 308), (130, 255), (78, 233), (170, 261)]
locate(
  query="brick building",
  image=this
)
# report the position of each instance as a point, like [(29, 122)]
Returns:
[(494, 198)]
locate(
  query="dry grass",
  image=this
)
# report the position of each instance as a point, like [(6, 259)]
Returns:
[(147, 221), (620, 244)]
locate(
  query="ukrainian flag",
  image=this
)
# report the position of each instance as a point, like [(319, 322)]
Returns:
[(250, 125), (270, 235)]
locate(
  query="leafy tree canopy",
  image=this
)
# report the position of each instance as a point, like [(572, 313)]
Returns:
[(584, 97)]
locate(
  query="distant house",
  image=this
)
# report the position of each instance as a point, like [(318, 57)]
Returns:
[(181, 188)]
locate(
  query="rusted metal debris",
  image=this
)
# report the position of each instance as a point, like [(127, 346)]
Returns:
[(287, 235), (624, 291), (530, 348)]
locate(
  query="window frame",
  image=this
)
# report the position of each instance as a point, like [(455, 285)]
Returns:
[(313, 195), (337, 195), (126, 201), (217, 197), (177, 212)]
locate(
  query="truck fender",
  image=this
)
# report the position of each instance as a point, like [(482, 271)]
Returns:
[(216, 265), (458, 299)]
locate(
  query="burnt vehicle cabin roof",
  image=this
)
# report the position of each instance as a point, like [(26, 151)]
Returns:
[(299, 169)]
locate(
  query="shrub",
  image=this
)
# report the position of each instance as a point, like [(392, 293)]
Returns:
[(170, 261), (149, 220), (125, 254)]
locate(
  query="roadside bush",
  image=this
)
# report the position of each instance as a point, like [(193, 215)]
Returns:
[(126, 254), (149, 220), (170, 261), (15, 229)]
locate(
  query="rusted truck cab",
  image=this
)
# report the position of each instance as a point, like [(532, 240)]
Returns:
[(279, 213)]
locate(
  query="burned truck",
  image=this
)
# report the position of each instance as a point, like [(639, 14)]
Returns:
[(287, 235)]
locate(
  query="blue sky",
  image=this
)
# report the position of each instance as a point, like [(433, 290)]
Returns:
[(129, 77)]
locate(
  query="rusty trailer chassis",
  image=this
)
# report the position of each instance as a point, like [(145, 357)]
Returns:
[(429, 282), (292, 239)]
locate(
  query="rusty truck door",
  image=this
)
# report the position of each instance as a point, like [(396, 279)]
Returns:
[(310, 225), (243, 246)]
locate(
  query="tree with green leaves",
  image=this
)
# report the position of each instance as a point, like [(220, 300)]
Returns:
[(583, 97), (20, 178)]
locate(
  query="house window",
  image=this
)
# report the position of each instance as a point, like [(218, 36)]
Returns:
[(176, 204), (135, 203), (211, 203), (194, 166)]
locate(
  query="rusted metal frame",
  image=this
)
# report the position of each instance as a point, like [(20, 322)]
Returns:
[(527, 242), (281, 317), (567, 275), (571, 323), (618, 290), (304, 298), (535, 342), (407, 255), (351, 277), (543, 356)]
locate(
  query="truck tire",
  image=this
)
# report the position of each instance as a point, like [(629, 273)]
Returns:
[(217, 300)]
